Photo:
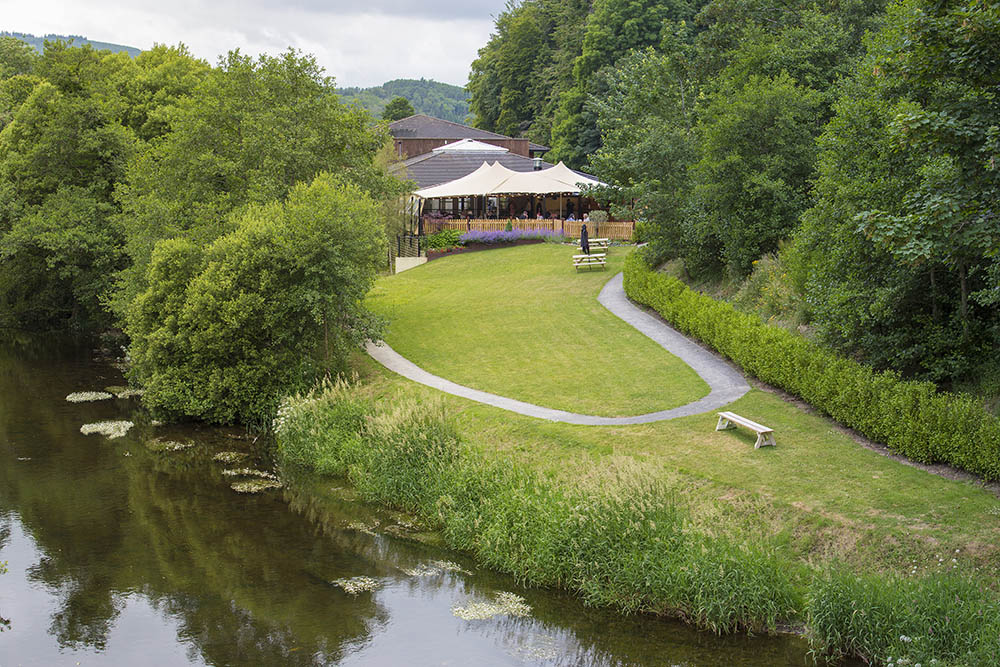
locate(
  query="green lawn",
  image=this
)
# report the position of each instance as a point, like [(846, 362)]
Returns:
[(522, 323), (483, 319)]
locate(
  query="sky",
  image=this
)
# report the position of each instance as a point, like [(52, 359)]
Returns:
[(363, 43)]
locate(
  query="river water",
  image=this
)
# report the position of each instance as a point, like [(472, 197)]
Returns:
[(120, 555)]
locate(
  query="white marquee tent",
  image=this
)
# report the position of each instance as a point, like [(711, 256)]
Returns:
[(495, 179)]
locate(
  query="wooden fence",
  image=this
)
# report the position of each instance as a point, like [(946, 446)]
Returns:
[(621, 231)]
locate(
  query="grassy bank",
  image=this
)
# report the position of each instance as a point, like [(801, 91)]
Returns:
[(805, 512)]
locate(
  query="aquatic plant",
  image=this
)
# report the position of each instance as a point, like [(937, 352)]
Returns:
[(110, 429), (249, 472), (230, 457), (82, 396), (255, 485), (130, 393), (503, 604), (435, 567), (160, 445), (356, 585)]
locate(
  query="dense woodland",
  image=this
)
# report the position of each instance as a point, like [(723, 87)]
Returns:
[(433, 98), (838, 156), (228, 218)]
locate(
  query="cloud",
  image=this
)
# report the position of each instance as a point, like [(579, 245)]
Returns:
[(359, 44)]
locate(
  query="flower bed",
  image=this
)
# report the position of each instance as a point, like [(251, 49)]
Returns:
[(474, 241)]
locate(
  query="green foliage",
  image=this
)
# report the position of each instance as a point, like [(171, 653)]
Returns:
[(440, 100), (939, 618), (221, 333), (39, 43), (910, 417), (446, 238), (757, 153), (397, 108), (249, 132), (633, 548), (901, 246), (16, 57)]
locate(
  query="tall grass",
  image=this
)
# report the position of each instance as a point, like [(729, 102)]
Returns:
[(632, 547), (937, 619)]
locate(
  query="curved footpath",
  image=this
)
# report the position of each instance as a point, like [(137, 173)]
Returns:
[(726, 383)]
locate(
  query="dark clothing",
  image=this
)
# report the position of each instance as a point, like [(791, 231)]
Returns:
[(584, 240)]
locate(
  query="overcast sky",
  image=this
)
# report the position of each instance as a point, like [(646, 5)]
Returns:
[(363, 43)]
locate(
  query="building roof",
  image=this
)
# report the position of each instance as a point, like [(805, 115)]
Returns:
[(421, 126), (440, 166)]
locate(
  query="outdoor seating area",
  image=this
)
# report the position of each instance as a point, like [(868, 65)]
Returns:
[(765, 435), (590, 261)]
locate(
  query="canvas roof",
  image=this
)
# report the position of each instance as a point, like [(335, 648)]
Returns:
[(495, 179)]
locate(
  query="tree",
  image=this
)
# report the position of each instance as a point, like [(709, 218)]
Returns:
[(246, 135), (221, 334), (397, 108), (902, 245), (757, 154), (16, 57)]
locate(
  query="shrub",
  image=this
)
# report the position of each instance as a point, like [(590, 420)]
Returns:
[(598, 216), (222, 333), (446, 238), (912, 418)]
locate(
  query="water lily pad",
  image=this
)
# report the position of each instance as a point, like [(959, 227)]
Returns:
[(160, 445), (249, 472), (230, 457), (111, 429), (356, 585), (505, 604), (256, 485), (83, 396)]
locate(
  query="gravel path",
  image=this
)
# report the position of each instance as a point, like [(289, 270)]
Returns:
[(726, 383)]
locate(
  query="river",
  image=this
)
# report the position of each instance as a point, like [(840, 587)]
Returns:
[(121, 555)]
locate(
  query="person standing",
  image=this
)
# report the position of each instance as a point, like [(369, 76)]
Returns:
[(584, 239)]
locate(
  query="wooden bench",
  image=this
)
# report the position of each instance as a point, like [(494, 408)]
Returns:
[(597, 259), (595, 244), (765, 435)]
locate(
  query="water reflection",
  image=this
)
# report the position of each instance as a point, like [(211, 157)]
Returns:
[(119, 552)]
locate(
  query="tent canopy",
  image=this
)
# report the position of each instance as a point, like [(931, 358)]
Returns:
[(495, 179)]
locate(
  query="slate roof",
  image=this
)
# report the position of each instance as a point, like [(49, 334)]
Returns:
[(421, 126), (441, 167)]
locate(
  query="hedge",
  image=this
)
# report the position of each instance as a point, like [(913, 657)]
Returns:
[(911, 418)]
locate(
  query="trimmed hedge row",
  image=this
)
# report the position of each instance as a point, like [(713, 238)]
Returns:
[(911, 418)]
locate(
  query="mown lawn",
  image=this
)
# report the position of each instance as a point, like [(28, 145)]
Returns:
[(823, 496), (522, 323)]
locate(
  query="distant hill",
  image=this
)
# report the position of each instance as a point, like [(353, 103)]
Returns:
[(433, 98), (78, 40)]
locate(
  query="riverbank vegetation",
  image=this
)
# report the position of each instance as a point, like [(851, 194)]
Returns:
[(785, 525), (193, 207), (846, 153)]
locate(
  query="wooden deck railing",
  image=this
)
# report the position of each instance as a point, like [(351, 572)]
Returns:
[(621, 231)]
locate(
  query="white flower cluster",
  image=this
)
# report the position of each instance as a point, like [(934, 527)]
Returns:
[(435, 567), (248, 472), (255, 485), (82, 396), (229, 457), (356, 585), (112, 430), (504, 603)]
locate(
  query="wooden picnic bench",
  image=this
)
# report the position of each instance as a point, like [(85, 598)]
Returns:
[(765, 435), (597, 259), (598, 244)]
